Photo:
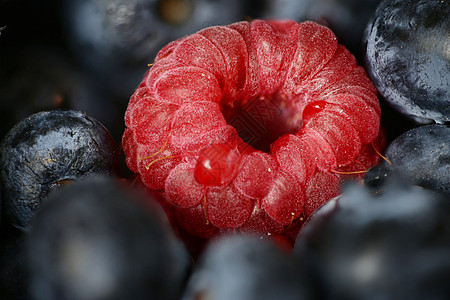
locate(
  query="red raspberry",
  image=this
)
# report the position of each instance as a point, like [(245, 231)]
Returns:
[(248, 126)]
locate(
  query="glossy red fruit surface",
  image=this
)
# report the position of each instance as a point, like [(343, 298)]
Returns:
[(251, 126)]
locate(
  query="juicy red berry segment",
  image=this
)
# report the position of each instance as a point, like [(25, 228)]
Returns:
[(196, 50), (273, 61), (316, 46), (233, 49), (285, 200), (194, 119), (218, 135), (216, 165), (360, 115), (227, 207), (313, 109), (155, 162), (260, 223), (324, 156), (152, 116), (182, 188), (294, 156), (247, 126), (193, 221), (186, 84), (256, 175), (341, 135), (321, 188)]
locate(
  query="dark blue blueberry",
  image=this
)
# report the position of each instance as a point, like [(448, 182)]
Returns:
[(422, 155), (382, 177), (38, 71), (246, 268), (407, 57), (38, 78), (377, 177), (100, 239), (394, 245), (46, 150), (14, 277)]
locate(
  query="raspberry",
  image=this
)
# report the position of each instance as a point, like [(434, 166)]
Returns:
[(251, 126)]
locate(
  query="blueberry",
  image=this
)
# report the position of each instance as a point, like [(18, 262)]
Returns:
[(101, 239), (37, 78), (377, 177), (118, 39), (422, 155), (390, 246), (407, 57), (13, 264), (382, 177), (46, 150), (246, 268)]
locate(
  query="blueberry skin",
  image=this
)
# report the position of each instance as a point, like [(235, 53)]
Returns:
[(46, 150), (383, 177), (36, 78), (242, 267), (407, 57), (101, 239), (13, 264), (378, 177), (422, 155), (393, 245)]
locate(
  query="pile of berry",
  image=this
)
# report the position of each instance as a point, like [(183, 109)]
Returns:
[(196, 149)]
